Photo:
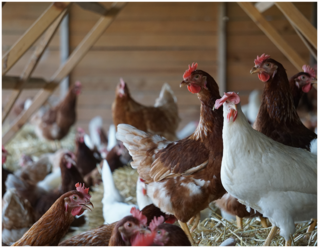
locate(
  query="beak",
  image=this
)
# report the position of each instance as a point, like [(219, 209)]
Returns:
[(255, 70), (234, 107), (70, 160), (183, 83), (87, 207), (145, 230)]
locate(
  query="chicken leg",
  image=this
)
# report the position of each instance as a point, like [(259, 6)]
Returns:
[(239, 222), (263, 222), (312, 225), (186, 231), (197, 219), (271, 235)]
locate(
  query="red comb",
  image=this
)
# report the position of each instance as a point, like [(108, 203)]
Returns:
[(260, 59), (138, 215), (189, 71), (83, 190), (122, 83), (229, 96), (311, 71), (156, 222)]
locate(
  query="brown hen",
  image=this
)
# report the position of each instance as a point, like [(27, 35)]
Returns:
[(161, 119)]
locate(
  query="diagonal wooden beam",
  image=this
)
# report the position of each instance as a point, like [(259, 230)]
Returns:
[(31, 35), (272, 34), (299, 20), (93, 6), (64, 70), (31, 65)]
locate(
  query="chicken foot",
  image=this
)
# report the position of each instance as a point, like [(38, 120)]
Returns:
[(263, 222), (239, 222), (271, 235), (288, 242), (197, 219), (187, 232)]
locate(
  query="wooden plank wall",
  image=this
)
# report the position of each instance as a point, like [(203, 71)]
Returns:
[(245, 41), (152, 43)]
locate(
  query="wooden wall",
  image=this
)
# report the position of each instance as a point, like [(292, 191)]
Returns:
[(152, 43), (245, 41)]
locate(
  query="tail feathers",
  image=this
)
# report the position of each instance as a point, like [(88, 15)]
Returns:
[(24, 188), (166, 96), (141, 146)]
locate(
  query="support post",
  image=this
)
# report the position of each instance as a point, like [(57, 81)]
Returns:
[(64, 70), (31, 65), (31, 35), (221, 47)]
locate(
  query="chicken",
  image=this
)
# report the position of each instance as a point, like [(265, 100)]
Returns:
[(5, 172), (56, 122), (182, 177), (277, 117), (164, 235), (17, 217), (251, 109), (114, 207), (97, 133), (102, 235), (40, 199), (302, 83), (34, 171), (283, 182), (55, 223), (86, 159), (161, 119)]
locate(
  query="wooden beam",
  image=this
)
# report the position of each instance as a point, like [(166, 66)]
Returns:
[(64, 70), (9, 83), (31, 35), (273, 35), (299, 20), (93, 6), (31, 65)]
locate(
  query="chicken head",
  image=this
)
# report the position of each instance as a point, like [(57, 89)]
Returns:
[(121, 89), (195, 81), (265, 68), (231, 99), (79, 201), (306, 79)]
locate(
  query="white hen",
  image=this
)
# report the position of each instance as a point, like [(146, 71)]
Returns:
[(114, 208), (277, 180), (251, 109)]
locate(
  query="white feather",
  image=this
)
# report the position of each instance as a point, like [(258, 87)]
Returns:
[(111, 138)]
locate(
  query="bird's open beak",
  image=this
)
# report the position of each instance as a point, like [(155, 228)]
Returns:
[(255, 70), (85, 206), (183, 83)]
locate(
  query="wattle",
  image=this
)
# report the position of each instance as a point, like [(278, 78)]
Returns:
[(263, 77), (77, 211), (306, 88), (193, 88)]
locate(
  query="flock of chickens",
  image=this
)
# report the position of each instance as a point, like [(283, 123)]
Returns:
[(264, 170)]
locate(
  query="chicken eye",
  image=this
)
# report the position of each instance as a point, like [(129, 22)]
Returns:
[(74, 197), (267, 64), (129, 224), (303, 77), (159, 232), (197, 76)]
